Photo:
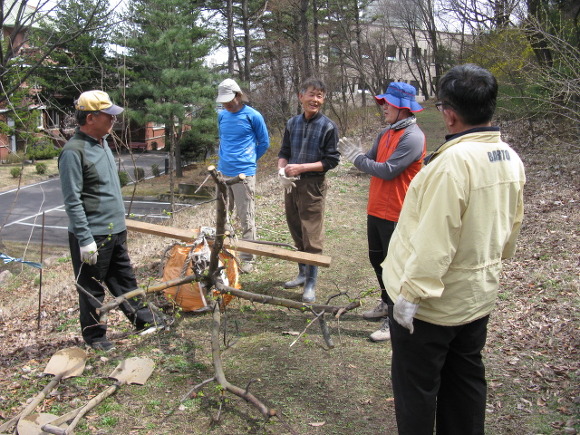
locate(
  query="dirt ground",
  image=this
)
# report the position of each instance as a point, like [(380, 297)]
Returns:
[(531, 356)]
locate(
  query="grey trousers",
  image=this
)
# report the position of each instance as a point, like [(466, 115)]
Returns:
[(241, 195)]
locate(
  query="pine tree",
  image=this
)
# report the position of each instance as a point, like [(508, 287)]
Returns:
[(166, 81)]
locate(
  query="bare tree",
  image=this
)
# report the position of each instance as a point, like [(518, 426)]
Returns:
[(19, 60), (480, 15), (230, 33)]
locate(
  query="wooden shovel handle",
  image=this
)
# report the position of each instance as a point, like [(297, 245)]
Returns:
[(54, 429), (33, 404)]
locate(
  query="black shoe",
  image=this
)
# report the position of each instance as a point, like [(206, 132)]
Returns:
[(103, 346)]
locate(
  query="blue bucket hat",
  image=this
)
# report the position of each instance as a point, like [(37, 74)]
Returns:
[(400, 95)]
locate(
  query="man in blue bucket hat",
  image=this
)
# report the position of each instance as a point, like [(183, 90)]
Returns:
[(393, 161)]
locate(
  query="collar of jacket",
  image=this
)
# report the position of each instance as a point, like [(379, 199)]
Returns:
[(83, 136), (314, 118), (404, 123), (451, 139)]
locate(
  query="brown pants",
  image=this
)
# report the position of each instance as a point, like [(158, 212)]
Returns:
[(305, 213)]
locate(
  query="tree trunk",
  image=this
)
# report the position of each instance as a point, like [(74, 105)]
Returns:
[(230, 33), (247, 41), (362, 81), (177, 148), (537, 40), (168, 138), (315, 36), (303, 24)]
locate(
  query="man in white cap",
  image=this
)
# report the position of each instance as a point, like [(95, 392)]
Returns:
[(97, 231), (393, 161), (243, 140)]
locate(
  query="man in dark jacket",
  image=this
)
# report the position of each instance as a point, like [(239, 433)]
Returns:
[(309, 150)]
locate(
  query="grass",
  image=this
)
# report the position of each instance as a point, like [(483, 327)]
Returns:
[(531, 355), (28, 176)]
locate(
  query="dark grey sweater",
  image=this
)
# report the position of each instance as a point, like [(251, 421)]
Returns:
[(91, 188)]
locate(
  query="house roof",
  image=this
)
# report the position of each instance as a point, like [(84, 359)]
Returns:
[(11, 9)]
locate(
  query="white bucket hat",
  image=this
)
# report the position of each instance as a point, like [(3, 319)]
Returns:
[(227, 91)]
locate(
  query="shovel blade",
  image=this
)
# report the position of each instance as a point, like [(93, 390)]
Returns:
[(32, 424), (67, 362), (134, 370)]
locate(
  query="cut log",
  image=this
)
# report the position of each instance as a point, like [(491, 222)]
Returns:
[(250, 247)]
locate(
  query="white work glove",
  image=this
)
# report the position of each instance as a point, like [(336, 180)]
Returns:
[(286, 182), (404, 311), (350, 148), (89, 254)]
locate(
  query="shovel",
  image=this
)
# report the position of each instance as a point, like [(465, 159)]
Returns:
[(32, 424), (131, 371), (63, 364)]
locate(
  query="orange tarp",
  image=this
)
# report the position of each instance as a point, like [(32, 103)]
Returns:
[(190, 296)]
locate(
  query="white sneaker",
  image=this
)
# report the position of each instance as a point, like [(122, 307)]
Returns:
[(377, 313), (383, 334), (152, 329)]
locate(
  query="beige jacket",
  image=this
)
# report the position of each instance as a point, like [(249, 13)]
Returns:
[(461, 217)]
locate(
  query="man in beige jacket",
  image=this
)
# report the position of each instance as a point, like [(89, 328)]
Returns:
[(461, 217)]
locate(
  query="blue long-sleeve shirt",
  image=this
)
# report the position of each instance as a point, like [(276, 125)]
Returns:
[(243, 140)]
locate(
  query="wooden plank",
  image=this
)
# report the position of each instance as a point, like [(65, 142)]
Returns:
[(162, 230), (189, 236)]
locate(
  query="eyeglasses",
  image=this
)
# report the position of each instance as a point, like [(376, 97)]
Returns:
[(97, 113), (439, 105)]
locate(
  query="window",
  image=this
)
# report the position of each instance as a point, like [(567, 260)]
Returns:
[(39, 119), (416, 53), (391, 52), (52, 118), (415, 84)]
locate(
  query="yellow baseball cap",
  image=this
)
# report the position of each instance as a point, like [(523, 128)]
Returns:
[(93, 101)]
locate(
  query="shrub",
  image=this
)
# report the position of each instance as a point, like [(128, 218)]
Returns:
[(155, 170), (16, 171), (41, 168), (200, 140), (13, 158), (123, 178), (41, 151), (139, 174)]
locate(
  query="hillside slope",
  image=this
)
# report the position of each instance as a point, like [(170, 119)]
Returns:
[(531, 356)]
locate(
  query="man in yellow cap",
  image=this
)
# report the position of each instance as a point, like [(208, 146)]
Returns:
[(97, 231)]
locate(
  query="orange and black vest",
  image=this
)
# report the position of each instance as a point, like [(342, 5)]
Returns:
[(386, 196)]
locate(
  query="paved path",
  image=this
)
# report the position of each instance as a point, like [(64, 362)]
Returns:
[(25, 212)]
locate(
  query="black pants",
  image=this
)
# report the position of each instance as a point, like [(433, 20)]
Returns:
[(379, 232), (439, 378), (114, 269)]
